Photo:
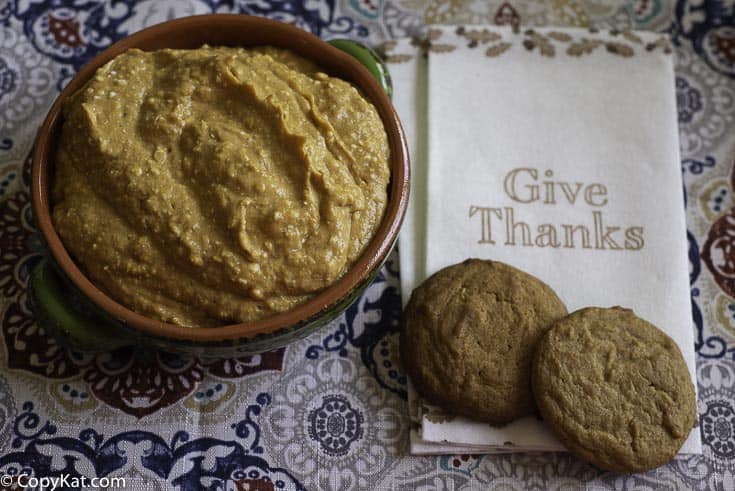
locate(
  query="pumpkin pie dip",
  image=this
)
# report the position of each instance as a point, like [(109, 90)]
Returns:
[(218, 185)]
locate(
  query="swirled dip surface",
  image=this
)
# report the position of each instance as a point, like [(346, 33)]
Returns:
[(217, 185)]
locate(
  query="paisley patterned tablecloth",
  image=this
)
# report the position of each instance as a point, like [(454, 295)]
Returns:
[(328, 412)]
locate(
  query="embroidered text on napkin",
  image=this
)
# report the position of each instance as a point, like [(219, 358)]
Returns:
[(526, 185)]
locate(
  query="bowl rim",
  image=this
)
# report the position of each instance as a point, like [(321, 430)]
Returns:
[(372, 256)]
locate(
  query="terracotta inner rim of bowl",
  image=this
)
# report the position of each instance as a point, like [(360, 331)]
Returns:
[(230, 30)]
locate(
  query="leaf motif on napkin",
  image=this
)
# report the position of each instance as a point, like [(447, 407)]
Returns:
[(630, 36), (619, 49), (434, 34), (562, 37), (477, 36), (497, 49), (428, 43), (662, 43), (583, 47), (537, 40), (387, 49), (398, 58), (441, 48), (546, 43)]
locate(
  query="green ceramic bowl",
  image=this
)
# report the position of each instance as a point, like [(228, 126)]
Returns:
[(82, 316)]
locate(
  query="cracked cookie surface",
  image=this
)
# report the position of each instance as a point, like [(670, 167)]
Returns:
[(469, 335), (614, 388)]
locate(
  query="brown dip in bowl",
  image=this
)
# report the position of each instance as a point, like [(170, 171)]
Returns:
[(312, 287), (217, 185)]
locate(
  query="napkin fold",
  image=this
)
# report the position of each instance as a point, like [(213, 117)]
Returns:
[(554, 150)]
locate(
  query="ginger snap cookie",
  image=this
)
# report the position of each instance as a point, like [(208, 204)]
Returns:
[(469, 335), (614, 388)]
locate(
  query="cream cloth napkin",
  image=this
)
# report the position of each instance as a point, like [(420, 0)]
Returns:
[(556, 151)]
